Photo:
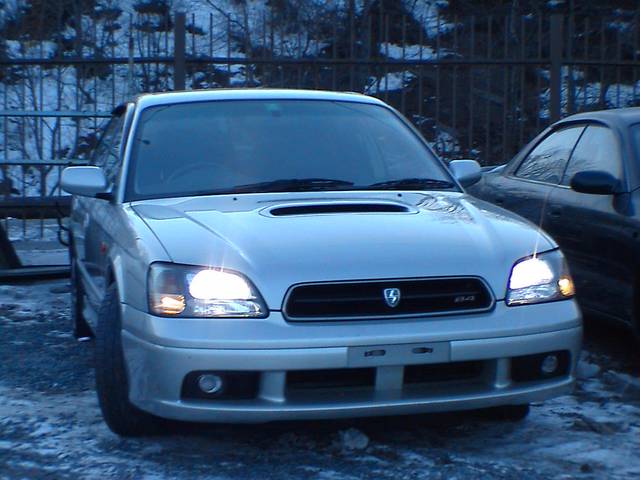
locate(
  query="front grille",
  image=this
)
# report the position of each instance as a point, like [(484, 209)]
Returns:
[(367, 299)]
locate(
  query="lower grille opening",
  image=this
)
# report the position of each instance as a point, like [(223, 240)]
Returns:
[(442, 372), (330, 378)]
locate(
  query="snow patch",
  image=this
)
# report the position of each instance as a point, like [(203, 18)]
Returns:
[(388, 83), (352, 439)]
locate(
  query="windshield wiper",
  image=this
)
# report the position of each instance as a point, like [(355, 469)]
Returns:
[(410, 184), (292, 185)]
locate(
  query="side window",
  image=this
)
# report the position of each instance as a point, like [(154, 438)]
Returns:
[(547, 161), (596, 150), (107, 153)]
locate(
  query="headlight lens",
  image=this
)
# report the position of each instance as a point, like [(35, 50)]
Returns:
[(185, 291), (540, 278)]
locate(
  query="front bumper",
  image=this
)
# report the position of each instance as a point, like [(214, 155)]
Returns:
[(157, 369)]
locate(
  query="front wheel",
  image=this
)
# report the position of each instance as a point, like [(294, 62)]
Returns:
[(120, 415)]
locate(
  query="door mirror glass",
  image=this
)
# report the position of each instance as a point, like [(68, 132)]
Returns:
[(467, 172), (84, 181), (595, 182)]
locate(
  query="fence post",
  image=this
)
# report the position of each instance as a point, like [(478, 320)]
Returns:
[(555, 57), (179, 51)]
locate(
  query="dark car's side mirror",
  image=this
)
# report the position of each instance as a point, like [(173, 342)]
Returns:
[(595, 182)]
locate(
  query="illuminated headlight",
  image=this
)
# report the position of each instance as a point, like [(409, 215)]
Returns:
[(185, 291), (541, 278)]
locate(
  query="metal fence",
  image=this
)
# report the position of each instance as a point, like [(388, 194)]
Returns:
[(476, 87)]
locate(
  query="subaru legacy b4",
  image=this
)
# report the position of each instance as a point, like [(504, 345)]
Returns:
[(261, 255)]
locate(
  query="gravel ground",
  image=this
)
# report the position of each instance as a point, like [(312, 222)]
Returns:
[(50, 425)]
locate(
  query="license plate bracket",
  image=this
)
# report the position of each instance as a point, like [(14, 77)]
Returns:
[(400, 354)]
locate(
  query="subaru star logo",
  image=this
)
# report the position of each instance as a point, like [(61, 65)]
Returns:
[(392, 296)]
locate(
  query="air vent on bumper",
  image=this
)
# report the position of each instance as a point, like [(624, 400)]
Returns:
[(387, 298)]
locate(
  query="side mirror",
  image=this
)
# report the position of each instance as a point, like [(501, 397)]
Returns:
[(595, 182), (84, 181), (467, 172)]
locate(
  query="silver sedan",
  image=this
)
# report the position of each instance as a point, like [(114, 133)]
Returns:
[(258, 255)]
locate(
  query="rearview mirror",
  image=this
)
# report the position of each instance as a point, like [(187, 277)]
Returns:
[(467, 172), (595, 182), (84, 181)]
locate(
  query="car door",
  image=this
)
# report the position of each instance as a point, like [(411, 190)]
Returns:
[(592, 229), (92, 214), (525, 187)]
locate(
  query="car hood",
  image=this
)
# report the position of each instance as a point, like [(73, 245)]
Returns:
[(404, 235)]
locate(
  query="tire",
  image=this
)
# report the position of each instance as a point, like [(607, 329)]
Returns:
[(507, 413), (112, 386), (81, 329)]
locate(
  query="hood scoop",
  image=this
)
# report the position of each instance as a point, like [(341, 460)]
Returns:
[(337, 207)]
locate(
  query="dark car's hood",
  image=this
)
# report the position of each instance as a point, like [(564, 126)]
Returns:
[(440, 234)]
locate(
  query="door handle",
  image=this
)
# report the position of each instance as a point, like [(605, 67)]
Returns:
[(499, 200)]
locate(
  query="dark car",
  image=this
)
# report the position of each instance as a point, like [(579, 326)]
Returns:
[(579, 181)]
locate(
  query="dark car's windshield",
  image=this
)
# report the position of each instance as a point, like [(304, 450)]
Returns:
[(249, 146)]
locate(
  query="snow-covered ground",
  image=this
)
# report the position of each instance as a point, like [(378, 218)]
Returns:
[(50, 425)]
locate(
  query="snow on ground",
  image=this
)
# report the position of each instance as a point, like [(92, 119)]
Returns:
[(50, 425), (411, 52), (388, 83), (588, 96), (428, 12)]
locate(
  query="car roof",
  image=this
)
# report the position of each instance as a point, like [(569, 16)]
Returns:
[(616, 117), (167, 98)]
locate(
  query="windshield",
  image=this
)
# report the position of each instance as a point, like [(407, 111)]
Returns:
[(250, 146)]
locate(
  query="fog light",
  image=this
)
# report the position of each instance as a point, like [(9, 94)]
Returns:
[(549, 364), (210, 383)]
